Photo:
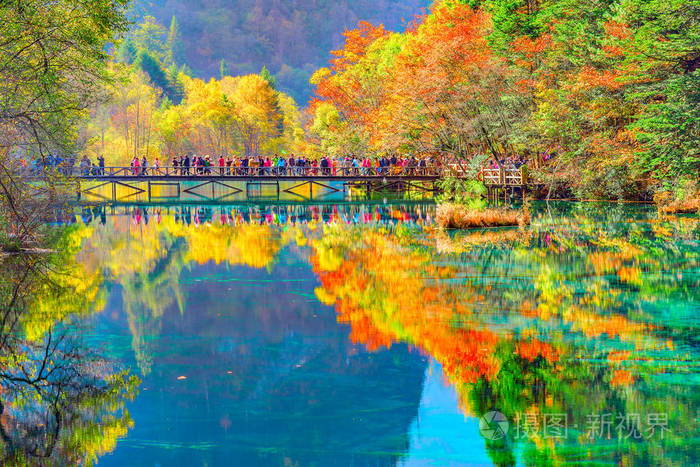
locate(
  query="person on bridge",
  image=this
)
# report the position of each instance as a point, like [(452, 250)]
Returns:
[(84, 165), (136, 165), (207, 165), (222, 164), (421, 167), (144, 166), (156, 165), (281, 163), (198, 165), (101, 164), (292, 164)]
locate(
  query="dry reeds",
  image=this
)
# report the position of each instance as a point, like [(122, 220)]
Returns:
[(686, 206), (456, 216), (688, 203)]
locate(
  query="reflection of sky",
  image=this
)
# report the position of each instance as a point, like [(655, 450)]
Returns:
[(441, 434)]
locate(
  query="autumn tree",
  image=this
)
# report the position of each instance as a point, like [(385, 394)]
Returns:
[(53, 61), (257, 107)]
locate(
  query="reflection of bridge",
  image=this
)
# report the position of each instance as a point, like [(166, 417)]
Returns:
[(418, 212), (222, 184)]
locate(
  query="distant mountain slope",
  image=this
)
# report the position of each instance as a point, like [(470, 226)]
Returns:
[(291, 37)]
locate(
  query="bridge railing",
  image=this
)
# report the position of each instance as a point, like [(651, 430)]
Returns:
[(505, 177), (214, 171), (489, 176)]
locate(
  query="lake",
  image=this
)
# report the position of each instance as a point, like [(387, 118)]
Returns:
[(353, 334)]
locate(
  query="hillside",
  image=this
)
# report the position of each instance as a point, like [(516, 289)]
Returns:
[(291, 38)]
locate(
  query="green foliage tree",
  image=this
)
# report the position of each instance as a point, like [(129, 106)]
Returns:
[(126, 52), (271, 82), (174, 47), (223, 69), (151, 36), (53, 59), (153, 68), (267, 76)]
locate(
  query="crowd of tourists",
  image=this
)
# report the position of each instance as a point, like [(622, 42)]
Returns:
[(509, 163), (283, 165), (278, 165)]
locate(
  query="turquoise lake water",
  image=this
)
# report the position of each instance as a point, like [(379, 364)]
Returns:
[(355, 334)]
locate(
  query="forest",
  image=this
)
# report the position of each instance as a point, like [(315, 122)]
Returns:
[(291, 39), (600, 98), (606, 92)]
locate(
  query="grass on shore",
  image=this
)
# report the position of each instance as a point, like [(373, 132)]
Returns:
[(457, 216)]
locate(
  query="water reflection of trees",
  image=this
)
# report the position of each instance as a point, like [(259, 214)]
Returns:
[(570, 316), (145, 250), (584, 312), (61, 402)]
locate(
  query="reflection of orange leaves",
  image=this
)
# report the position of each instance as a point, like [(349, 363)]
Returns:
[(362, 329), (475, 354), (621, 378), (630, 275), (604, 262), (383, 294), (528, 309), (594, 325), (618, 356), (530, 350)]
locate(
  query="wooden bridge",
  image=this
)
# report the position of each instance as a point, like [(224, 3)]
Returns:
[(506, 182), (235, 184), (501, 183), (224, 184)]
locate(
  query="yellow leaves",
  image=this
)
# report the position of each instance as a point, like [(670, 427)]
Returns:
[(100, 438), (324, 296), (330, 257), (257, 245), (631, 275), (320, 75), (225, 116)]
